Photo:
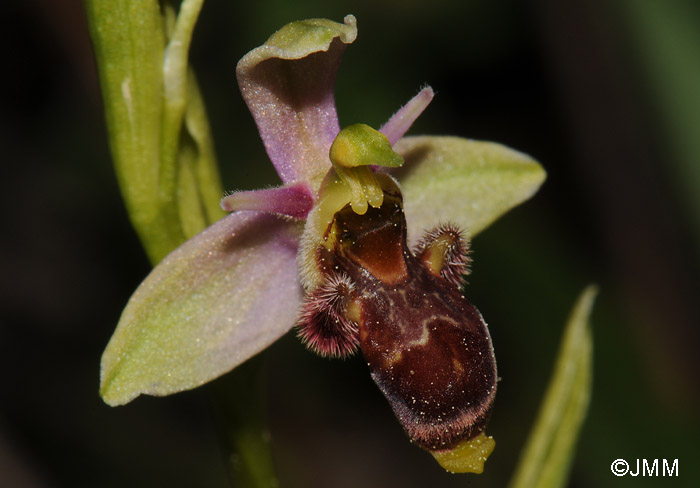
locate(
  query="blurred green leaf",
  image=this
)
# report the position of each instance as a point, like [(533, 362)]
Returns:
[(547, 456), (667, 40)]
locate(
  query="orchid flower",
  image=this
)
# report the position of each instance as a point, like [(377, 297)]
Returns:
[(335, 250)]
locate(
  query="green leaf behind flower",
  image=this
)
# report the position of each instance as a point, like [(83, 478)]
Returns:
[(158, 133)]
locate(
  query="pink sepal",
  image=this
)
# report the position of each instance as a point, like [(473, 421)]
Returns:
[(401, 121), (293, 200)]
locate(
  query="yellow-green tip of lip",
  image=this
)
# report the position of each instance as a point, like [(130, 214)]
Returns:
[(468, 457)]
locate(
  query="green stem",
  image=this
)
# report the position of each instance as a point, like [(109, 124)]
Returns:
[(168, 176), (129, 39), (238, 397), (164, 158)]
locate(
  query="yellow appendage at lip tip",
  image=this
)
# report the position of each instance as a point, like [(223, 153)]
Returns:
[(468, 457), (353, 151)]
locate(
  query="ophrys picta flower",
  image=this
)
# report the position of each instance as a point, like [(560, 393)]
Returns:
[(330, 251)]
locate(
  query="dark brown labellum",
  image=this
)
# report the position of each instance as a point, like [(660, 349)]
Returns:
[(427, 346)]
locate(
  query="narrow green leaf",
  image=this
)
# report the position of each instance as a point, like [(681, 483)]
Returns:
[(167, 175), (199, 185), (206, 168), (176, 87), (129, 41), (469, 183), (548, 453)]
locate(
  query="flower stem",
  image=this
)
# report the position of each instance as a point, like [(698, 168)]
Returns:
[(238, 397), (158, 131)]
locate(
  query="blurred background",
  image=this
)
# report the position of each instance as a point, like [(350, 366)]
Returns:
[(605, 94)]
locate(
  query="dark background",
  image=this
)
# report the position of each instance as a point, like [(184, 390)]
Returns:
[(605, 94)]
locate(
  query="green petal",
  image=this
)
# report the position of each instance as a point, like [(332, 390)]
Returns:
[(547, 456), (468, 183), (220, 298)]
